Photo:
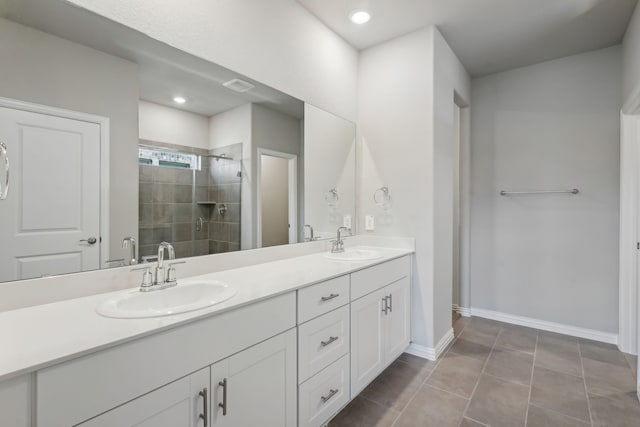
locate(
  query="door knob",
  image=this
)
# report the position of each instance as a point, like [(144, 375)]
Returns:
[(90, 240)]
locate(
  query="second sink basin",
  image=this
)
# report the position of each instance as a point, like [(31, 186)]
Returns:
[(355, 254), (178, 299)]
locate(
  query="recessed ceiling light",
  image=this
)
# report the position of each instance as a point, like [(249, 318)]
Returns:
[(179, 100), (359, 17)]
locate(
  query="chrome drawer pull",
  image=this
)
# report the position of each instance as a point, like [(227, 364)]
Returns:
[(205, 399), (330, 297), (329, 341), (223, 405), (332, 392), (385, 302), (5, 155)]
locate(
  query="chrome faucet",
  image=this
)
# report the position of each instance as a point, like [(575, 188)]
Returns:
[(311, 238), (337, 246), (131, 242), (160, 280)]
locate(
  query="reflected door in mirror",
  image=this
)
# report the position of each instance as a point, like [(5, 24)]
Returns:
[(51, 217)]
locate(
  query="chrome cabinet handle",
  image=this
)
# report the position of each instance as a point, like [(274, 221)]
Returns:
[(332, 392), (329, 341), (205, 399), (385, 307), (4, 190), (223, 405), (390, 303), (329, 298), (90, 240)]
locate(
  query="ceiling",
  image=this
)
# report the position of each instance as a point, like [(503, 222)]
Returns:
[(488, 36), (163, 71)]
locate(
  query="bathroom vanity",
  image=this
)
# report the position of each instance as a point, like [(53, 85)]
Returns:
[(300, 339)]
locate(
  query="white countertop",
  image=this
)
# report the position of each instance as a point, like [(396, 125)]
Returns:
[(36, 337)]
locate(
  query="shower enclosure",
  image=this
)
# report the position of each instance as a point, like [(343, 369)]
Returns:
[(189, 197)]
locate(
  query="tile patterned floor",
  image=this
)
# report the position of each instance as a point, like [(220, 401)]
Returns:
[(497, 375)]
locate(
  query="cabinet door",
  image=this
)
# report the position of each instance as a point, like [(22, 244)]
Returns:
[(367, 340), (178, 404), (397, 320), (257, 387)]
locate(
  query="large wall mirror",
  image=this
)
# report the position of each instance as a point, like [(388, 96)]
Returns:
[(116, 141)]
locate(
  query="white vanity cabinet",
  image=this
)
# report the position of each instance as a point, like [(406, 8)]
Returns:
[(256, 387), (78, 390), (180, 403), (380, 320), (15, 402)]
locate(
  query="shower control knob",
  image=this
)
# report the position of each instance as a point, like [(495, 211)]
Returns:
[(90, 240)]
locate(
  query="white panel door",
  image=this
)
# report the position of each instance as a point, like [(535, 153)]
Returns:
[(178, 404), (367, 340), (258, 386), (397, 320), (54, 197)]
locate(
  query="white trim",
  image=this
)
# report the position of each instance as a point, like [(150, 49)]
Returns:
[(105, 142), (628, 254), (432, 353), (464, 311), (544, 325), (292, 191)]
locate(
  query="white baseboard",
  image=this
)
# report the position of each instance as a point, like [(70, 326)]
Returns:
[(464, 311), (544, 325), (432, 353)]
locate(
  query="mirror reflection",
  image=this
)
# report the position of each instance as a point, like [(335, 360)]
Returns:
[(118, 142)]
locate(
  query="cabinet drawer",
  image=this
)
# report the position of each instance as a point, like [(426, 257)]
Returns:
[(322, 341), (370, 279), (322, 298), (324, 394)]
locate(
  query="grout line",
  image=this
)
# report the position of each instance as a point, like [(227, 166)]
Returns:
[(473, 392), (584, 381), (560, 413), (533, 368), (447, 391), (475, 421)]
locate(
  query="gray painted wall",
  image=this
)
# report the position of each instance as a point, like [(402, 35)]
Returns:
[(553, 125)]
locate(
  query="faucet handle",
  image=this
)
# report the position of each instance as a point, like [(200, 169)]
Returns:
[(147, 278), (171, 271)]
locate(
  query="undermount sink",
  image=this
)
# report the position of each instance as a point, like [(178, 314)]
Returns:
[(355, 254), (165, 302)]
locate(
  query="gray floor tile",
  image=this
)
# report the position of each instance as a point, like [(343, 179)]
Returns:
[(459, 325), (424, 366), (456, 373), (510, 365), (602, 352), (499, 403), (464, 346), (395, 386), (364, 413), (431, 407), (602, 378), (633, 362), (538, 417), (558, 353), (486, 326), (466, 422), (618, 411), (518, 338), (559, 392)]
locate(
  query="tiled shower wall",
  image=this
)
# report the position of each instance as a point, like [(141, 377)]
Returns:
[(168, 205)]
